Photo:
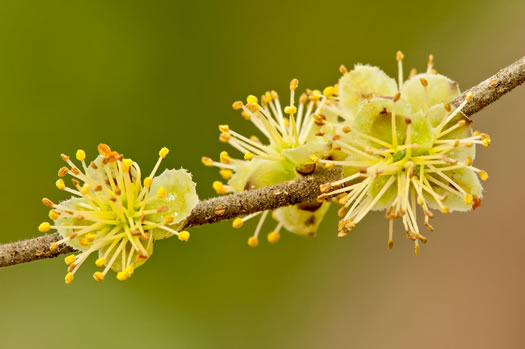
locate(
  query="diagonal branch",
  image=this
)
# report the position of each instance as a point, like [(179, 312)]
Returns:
[(302, 189)]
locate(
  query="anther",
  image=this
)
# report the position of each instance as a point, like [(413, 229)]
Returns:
[(184, 235), (81, 155)]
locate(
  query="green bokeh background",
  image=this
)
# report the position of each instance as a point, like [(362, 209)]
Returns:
[(140, 75)]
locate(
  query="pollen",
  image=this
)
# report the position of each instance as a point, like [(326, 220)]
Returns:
[(44, 227), (100, 262), (69, 278), (207, 161), (237, 223), (251, 99), (248, 156), (237, 105), (219, 188), (273, 237), (290, 110), (161, 193), (60, 184), (184, 235), (164, 152), (70, 259), (253, 241), (98, 276), (224, 157), (483, 175), (226, 174)]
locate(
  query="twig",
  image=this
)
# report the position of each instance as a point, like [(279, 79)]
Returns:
[(209, 211), (492, 89), (303, 189)]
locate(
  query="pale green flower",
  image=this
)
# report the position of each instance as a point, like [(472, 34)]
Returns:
[(114, 213), (298, 135), (404, 147)]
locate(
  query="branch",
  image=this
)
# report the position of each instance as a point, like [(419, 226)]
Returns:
[(492, 89), (302, 189)]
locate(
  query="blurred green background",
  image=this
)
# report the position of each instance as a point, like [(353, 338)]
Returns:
[(139, 75)]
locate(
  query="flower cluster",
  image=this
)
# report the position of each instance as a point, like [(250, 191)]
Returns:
[(115, 213), (297, 137), (404, 147)]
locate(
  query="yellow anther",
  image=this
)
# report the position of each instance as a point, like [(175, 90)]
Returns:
[(314, 158), (290, 110), (390, 244), (53, 247), (273, 237), (461, 123), (293, 84), (70, 259), (237, 105), (469, 97), (248, 156), (476, 133), (122, 276), (468, 199), (44, 227), (54, 215), (486, 142), (444, 209), (483, 175), (69, 278), (343, 69), (253, 241), (251, 99), (100, 262), (63, 171), (164, 152), (184, 235), (224, 128), (85, 189), (126, 165), (129, 270), (328, 91), (347, 129), (424, 82), (397, 96), (225, 158), (81, 155), (416, 250), (226, 173), (316, 95), (103, 149), (254, 108), (207, 161), (60, 184), (246, 115), (161, 193), (237, 223), (399, 56), (468, 161), (91, 237), (148, 182), (98, 276), (219, 187), (84, 241), (169, 219)]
